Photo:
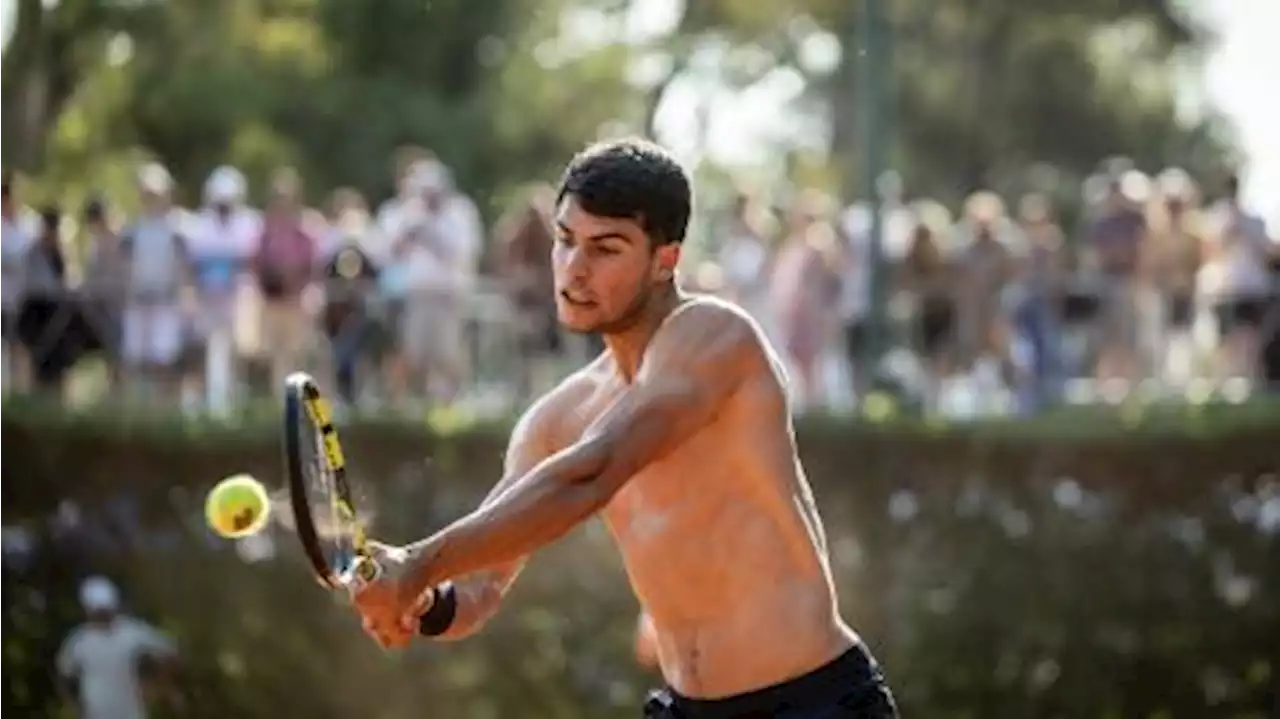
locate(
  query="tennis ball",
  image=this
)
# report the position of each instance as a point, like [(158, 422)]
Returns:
[(238, 506)]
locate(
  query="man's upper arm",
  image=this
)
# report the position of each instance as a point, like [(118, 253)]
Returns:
[(532, 440)]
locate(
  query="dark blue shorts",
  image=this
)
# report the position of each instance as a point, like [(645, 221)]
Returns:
[(851, 686)]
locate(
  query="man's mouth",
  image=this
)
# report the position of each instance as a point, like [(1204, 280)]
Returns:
[(576, 299)]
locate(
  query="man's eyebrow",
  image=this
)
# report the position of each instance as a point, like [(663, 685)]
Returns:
[(609, 235)]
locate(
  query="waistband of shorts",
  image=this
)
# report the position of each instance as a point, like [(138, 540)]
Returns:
[(838, 677)]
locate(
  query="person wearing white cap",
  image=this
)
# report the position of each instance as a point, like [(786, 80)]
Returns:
[(224, 242), (437, 245), (157, 260), (100, 660)]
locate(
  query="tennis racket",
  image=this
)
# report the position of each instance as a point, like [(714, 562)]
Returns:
[(324, 510)]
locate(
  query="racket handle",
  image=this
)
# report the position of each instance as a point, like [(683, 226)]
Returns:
[(444, 609)]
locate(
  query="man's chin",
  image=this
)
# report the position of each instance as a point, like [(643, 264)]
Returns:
[(578, 324)]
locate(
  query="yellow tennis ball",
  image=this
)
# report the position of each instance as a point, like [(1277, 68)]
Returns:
[(238, 506)]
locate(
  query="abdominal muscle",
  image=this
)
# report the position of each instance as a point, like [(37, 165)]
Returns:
[(724, 550), (766, 641)]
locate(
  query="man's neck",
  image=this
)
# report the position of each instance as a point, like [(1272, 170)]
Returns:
[(627, 346)]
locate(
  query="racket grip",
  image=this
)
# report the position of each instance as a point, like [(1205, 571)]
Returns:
[(444, 609)]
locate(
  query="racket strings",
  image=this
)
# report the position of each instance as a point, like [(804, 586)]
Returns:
[(331, 528)]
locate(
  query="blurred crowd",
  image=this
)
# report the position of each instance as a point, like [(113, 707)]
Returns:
[(995, 307), (197, 307), (999, 308)]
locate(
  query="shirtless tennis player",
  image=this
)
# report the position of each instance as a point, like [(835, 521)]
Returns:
[(680, 436)]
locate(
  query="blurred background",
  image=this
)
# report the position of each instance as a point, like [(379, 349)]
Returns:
[(1021, 258)]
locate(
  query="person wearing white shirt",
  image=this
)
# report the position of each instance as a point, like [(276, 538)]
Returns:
[(436, 245), (102, 661), (20, 227), (1237, 280), (224, 240), (155, 252)]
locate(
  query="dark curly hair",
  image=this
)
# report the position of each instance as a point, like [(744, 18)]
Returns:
[(633, 179)]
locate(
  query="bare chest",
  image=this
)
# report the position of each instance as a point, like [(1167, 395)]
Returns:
[(652, 502)]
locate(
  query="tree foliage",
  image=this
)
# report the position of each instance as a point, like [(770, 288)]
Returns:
[(504, 90)]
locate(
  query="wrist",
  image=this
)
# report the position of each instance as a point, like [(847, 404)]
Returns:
[(444, 610), (421, 576)]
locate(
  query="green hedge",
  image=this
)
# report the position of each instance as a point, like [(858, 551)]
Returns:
[(1092, 564)]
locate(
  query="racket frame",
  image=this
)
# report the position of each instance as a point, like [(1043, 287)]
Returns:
[(304, 403)]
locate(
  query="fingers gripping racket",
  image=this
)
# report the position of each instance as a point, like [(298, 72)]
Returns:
[(324, 508)]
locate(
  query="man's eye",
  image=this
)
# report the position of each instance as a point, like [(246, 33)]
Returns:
[(564, 240)]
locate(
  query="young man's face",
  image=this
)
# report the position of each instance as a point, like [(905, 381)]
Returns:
[(606, 269)]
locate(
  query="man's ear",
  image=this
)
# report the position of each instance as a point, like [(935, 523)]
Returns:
[(668, 258)]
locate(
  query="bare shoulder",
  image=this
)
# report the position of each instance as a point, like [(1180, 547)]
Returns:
[(711, 312), (708, 329)]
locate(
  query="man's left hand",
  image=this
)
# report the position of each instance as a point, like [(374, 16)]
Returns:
[(387, 608)]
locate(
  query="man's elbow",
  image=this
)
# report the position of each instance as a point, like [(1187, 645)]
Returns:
[(580, 502), (590, 480)]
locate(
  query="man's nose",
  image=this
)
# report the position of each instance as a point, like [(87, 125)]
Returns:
[(576, 265)]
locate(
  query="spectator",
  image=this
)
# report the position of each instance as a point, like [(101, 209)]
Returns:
[(106, 279), (47, 317), (158, 265), (393, 219), (854, 304), (1177, 251), (524, 240), (16, 235), (1240, 282), (224, 242), (435, 247), (928, 280), (350, 274), (350, 222), (984, 243), (285, 263), (746, 259), (1116, 237), (803, 286), (396, 211), (105, 661), (1041, 288)]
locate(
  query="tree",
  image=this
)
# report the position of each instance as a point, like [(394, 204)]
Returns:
[(504, 91), (982, 89)]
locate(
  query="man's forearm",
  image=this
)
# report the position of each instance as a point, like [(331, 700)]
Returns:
[(541, 507)]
